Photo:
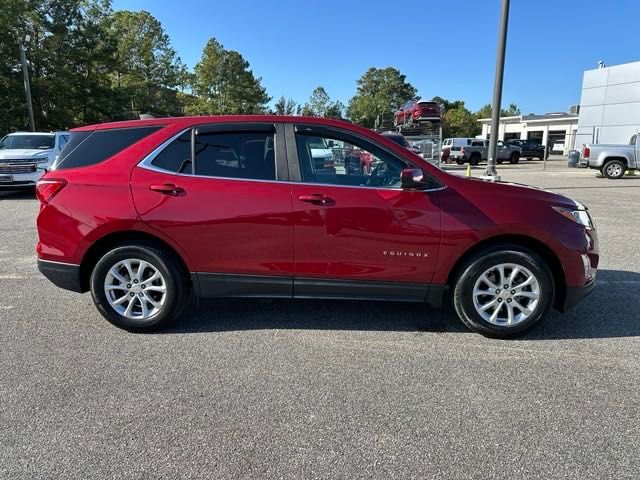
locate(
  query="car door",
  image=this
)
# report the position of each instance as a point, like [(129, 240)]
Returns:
[(358, 234), (220, 193), (503, 150)]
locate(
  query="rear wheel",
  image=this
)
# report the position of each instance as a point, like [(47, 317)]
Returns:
[(459, 161), (139, 287), (613, 169), (503, 291), (474, 159), (514, 158)]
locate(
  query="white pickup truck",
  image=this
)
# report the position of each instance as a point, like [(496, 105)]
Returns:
[(26, 156), (612, 159)]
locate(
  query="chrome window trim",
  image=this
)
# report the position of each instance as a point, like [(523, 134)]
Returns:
[(146, 164)]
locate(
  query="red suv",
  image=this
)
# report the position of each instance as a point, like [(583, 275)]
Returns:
[(417, 111), (146, 213)]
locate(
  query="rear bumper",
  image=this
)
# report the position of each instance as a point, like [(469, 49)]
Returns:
[(576, 294), (63, 275)]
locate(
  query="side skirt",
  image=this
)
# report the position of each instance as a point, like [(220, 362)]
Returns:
[(220, 285)]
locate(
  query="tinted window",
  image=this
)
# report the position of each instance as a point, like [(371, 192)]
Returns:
[(89, 148), (247, 155), (176, 157), (349, 162)]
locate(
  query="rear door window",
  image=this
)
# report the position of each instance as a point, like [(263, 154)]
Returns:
[(242, 155), (91, 147), (176, 157)]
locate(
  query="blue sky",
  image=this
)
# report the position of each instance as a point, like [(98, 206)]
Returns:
[(444, 47)]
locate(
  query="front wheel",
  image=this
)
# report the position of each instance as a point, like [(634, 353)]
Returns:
[(139, 287), (514, 158), (503, 292), (613, 169)]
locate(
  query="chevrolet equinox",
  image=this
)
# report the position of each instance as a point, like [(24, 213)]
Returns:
[(146, 213)]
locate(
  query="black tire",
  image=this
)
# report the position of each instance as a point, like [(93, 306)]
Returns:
[(613, 169), (514, 158), (463, 300), (474, 159), (459, 161), (175, 279)]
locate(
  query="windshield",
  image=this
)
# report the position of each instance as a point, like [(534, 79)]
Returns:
[(317, 142), (40, 142)]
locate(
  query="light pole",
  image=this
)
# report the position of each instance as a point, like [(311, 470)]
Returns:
[(27, 87), (497, 93)]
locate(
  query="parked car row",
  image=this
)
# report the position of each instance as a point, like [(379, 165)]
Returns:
[(477, 151), (26, 156), (474, 150)]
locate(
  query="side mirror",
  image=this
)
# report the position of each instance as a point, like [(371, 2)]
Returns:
[(413, 179)]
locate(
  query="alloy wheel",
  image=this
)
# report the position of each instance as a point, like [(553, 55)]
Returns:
[(135, 289), (506, 294), (614, 170)]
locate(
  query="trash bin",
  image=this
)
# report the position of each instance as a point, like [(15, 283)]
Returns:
[(574, 158)]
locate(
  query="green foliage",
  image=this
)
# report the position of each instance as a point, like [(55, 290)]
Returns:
[(223, 84), (320, 105), (147, 69), (486, 110), (379, 91), (460, 122), (286, 106)]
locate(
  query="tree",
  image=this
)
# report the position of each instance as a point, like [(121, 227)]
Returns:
[(379, 91), (486, 110), (320, 105), (460, 122), (457, 120), (148, 69), (223, 83), (286, 106)]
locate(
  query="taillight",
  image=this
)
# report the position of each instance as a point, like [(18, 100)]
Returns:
[(462, 150), (49, 188), (586, 151)]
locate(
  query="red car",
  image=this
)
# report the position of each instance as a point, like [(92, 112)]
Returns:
[(146, 213), (417, 111)]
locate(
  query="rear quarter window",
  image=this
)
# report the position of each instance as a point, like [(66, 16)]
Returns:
[(91, 147)]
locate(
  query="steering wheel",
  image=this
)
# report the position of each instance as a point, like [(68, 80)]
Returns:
[(379, 176)]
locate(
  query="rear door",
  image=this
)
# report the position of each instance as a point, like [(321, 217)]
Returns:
[(220, 192), (358, 234)]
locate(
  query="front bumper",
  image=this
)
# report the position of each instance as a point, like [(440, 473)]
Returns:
[(63, 275), (21, 179), (575, 295)]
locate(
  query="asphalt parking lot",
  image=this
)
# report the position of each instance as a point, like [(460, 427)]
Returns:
[(317, 389)]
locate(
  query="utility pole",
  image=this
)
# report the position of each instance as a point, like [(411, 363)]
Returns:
[(491, 173), (27, 87)]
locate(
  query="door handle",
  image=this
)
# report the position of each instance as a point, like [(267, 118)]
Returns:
[(167, 189), (317, 199)]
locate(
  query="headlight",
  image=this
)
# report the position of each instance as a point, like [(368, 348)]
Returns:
[(580, 215), (40, 158)]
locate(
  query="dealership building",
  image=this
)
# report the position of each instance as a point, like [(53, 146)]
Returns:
[(609, 104), (609, 112), (557, 130)]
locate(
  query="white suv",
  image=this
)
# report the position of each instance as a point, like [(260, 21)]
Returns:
[(26, 156)]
